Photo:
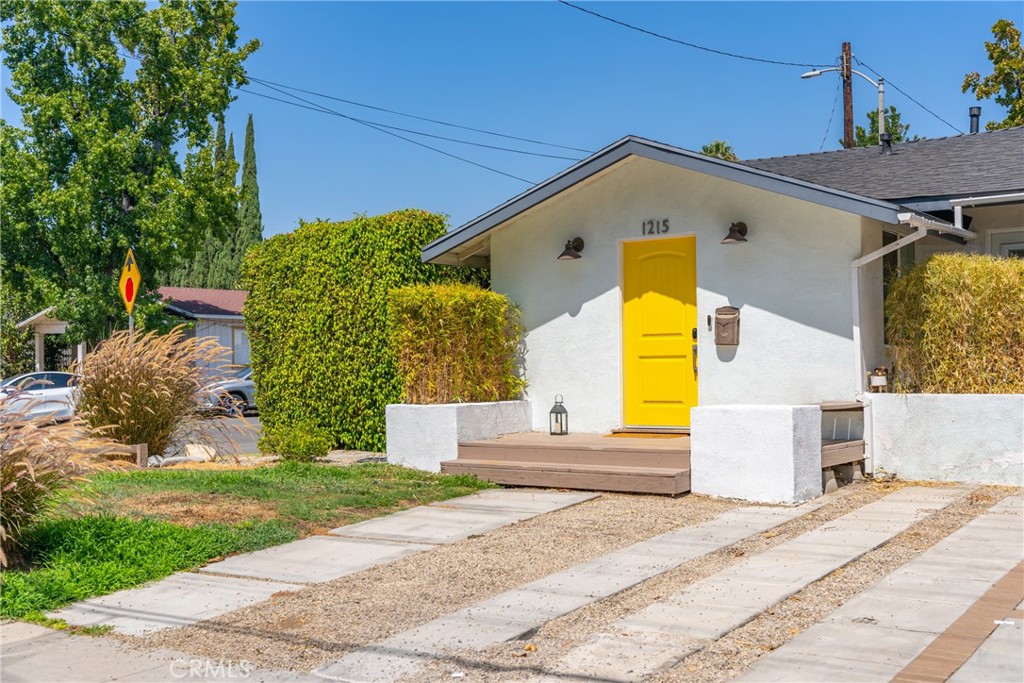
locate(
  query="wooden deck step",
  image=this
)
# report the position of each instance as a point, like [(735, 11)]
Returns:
[(840, 452), (581, 449), (578, 475)]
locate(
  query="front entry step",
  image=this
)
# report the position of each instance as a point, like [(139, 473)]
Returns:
[(592, 462), (591, 477)]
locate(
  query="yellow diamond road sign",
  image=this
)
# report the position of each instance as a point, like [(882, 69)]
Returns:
[(131, 278)]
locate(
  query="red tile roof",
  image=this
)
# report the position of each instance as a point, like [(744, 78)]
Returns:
[(205, 302)]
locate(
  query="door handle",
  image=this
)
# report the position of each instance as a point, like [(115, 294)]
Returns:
[(695, 360)]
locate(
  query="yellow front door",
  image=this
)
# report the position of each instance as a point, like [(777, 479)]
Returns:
[(659, 322)]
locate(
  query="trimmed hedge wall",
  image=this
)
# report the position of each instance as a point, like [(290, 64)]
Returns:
[(956, 326), (317, 322), (456, 344)]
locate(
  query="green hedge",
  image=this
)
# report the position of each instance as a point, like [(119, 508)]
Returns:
[(317, 322), (956, 325), (456, 343)]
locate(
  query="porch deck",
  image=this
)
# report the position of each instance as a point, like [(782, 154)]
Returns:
[(655, 463), (652, 463)]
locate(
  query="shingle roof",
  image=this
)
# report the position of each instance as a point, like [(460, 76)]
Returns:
[(200, 303), (961, 166)]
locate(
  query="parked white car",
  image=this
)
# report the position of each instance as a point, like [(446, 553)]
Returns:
[(232, 396), (39, 394)]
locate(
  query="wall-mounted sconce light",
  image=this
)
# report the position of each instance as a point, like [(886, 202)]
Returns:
[(737, 233), (572, 250)]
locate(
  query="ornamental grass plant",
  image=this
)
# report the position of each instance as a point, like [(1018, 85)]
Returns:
[(39, 460), (456, 343), (956, 326), (148, 388)]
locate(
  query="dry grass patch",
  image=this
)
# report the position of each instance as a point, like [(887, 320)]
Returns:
[(189, 509)]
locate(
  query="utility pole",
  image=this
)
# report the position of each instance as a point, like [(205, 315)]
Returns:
[(845, 71)]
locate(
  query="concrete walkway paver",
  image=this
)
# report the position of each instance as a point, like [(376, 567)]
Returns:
[(658, 637), (877, 633), (513, 613), (314, 559), (190, 597), (178, 600), (34, 654), (459, 518)]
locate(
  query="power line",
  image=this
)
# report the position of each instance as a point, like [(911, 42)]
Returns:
[(835, 99), (419, 118), (270, 84), (317, 108), (402, 137), (899, 89), (685, 43)]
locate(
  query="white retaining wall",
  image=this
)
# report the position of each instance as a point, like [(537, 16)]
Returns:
[(949, 437), (767, 454), (422, 436)]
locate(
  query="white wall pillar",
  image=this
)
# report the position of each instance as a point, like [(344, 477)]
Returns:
[(761, 453), (40, 351)]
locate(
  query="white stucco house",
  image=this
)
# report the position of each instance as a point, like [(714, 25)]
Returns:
[(663, 290)]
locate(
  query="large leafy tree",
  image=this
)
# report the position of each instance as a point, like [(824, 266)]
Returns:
[(896, 128), (1006, 82), (115, 147)]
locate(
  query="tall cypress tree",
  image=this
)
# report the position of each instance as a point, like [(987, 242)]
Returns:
[(250, 219)]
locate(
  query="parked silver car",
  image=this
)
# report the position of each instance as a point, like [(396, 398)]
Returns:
[(41, 393), (235, 395)]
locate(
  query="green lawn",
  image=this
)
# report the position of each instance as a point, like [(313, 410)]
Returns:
[(144, 525)]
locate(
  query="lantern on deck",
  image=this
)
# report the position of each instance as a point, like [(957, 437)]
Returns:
[(559, 418)]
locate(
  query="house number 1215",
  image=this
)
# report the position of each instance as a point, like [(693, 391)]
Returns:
[(659, 227)]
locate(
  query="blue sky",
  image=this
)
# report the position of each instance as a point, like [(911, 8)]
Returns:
[(545, 71)]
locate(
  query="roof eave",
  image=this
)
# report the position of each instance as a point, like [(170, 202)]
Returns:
[(633, 146)]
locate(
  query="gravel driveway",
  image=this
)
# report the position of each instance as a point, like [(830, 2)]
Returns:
[(303, 630)]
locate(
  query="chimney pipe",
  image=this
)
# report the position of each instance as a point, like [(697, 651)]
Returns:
[(886, 139), (975, 118)]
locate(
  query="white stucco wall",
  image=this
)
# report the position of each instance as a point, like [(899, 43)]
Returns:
[(767, 454), (791, 282), (949, 437), (423, 436)]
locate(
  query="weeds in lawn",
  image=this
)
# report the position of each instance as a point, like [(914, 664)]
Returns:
[(118, 539)]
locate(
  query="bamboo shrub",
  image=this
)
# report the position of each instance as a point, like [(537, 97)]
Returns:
[(147, 388), (956, 325), (456, 344)]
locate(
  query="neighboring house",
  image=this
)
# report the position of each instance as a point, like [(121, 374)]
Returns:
[(217, 313), (619, 331), (42, 324)]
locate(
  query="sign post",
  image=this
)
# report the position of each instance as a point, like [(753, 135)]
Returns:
[(131, 278)]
